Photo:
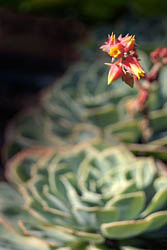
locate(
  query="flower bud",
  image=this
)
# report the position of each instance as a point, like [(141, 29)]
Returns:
[(128, 42), (115, 72), (132, 65)]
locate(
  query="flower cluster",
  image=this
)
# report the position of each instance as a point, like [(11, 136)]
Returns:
[(124, 59), (159, 54)]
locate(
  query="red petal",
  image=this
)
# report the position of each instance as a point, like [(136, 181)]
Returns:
[(115, 72)]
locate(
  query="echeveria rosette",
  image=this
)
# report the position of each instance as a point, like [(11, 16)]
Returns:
[(125, 62), (74, 110), (89, 197)]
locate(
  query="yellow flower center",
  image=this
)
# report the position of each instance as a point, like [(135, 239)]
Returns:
[(114, 51), (137, 71)]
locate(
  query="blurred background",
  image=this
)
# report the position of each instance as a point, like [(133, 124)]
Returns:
[(41, 39)]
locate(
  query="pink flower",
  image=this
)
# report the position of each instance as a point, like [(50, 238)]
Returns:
[(115, 72), (113, 47), (111, 41), (132, 66), (158, 54), (129, 69), (128, 42), (116, 47), (124, 59)]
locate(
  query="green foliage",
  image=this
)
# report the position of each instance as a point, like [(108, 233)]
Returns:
[(88, 197), (89, 10), (83, 107), (150, 7)]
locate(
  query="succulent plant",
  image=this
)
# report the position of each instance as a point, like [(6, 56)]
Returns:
[(62, 119), (89, 197), (83, 107)]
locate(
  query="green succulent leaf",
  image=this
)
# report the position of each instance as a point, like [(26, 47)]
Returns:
[(161, 183), (97, 238), (107, 215), (103, 116), (144, 172), (157, 220), (158, 201), (129, 205), (88, 197), (124, 229), (83, 108), (11, 239), (126, 131)]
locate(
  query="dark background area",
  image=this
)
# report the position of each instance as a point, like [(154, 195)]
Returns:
[(34, 52), (39, 40)]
